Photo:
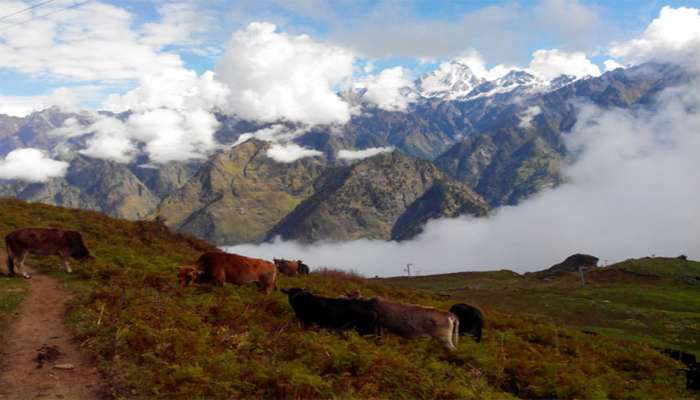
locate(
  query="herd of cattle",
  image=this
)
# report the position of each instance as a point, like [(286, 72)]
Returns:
[(368, 316)]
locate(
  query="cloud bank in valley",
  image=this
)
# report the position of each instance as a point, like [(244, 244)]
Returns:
[(290, 152), (364, 153), (631, 192)]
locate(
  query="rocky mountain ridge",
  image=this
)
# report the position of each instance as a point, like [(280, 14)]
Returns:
[(503, 143)]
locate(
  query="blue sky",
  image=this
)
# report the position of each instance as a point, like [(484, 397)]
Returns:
[(414, 34), (622, 19)]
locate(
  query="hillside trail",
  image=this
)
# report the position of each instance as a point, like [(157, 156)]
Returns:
[(39, 323)]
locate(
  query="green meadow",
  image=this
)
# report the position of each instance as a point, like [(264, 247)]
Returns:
[(154, 339)]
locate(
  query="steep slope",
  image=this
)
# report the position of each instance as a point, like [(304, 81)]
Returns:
[(239, 194), (366, 199), (34, 130), (503, 167), (164, 179), (95, 184), (443, 199)]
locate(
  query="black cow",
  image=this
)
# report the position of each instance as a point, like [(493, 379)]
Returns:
[(692, 378), (333, 313), (471, 320), (692, 372), (303, 268), (686, 358)]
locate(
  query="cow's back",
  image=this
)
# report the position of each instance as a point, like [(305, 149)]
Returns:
[(236, 268), (40, 241), (410, 320)]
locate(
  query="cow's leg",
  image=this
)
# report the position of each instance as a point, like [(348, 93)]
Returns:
[(20, 265), (66, 264), (10, 262), (219, 277), (447, 343)]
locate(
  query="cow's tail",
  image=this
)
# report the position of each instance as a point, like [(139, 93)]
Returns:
[(455, 330)]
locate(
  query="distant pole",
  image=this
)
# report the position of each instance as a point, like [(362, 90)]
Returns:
[(408, 269), (583, 279)]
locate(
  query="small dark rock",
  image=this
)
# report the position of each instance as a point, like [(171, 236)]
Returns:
[(47, 354)]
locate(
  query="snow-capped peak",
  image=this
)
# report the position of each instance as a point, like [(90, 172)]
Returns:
[(516, 78), (452, 80), (562, 80)]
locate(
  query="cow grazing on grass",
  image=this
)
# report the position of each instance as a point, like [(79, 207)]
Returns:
[(44, 242), (413, 321), (291, 268), (692, 370), (220, 267), (471, 320), (333, 313), (188, 274)]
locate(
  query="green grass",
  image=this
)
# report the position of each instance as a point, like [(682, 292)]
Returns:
[(153, 339), (12, 292), (651, 300)]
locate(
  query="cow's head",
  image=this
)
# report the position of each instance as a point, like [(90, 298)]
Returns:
[(188, 275), (303, 268), (78, 250)]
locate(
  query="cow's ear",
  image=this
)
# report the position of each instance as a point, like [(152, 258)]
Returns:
[(285, 291)]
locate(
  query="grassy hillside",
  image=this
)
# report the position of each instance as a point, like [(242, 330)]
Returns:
[(651, 300), (153, 339), (12, 291)]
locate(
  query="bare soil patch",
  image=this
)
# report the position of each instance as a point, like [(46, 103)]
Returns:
[(39, 358)]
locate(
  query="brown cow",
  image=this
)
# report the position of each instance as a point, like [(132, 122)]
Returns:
[(220, 267), (413, 321), (291, 268), (44, 242)]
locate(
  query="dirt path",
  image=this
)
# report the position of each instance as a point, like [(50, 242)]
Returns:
[(40, 323)]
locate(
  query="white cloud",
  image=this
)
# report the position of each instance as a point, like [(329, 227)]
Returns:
[(68, 99), (669, 38), (179, 23), (290, 152), (92, 42), (163, 134), (173, 136), (391, 90), (477, 64), (580, 24), (527, 116), (548, 64), (364, 153), (177, 89), (611, 65), (31, 165), (276, 76)]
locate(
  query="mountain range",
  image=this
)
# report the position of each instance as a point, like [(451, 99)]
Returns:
[(464, 145)]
